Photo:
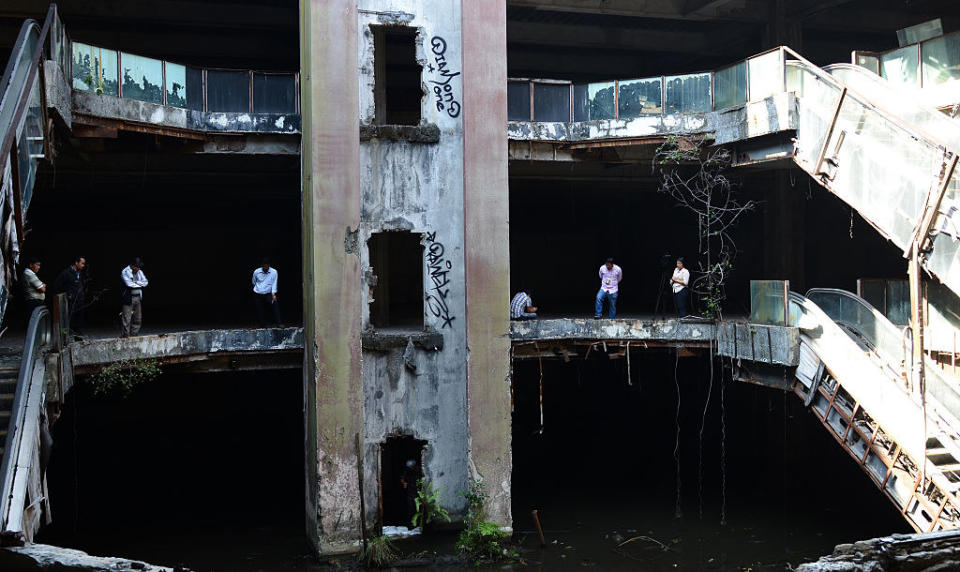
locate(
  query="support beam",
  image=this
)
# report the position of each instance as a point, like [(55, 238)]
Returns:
[(332, 295), (487, 254)]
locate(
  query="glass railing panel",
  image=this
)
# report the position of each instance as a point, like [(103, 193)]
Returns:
[(941, 60), (194, 89), (602, 101), (942, 333), (142, 78), (688, 93), (228, 91), (869, 61), (274, 93), (897, 308), (765, 75), (18, 80), (581, 103), (551, 102), (944, 261), (640, 97), (95, 69), (884, 171), (730, 86), (901, 66), (518, 101), (30, 142), (769, 302), (176, 84), (818, 99)]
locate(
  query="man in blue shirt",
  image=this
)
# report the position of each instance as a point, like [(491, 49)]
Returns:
[(265, 294)]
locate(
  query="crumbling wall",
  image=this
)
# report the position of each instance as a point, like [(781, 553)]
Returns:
[(933, 551), (412, 184)]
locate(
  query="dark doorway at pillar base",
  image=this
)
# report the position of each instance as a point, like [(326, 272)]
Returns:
[(401, 465)]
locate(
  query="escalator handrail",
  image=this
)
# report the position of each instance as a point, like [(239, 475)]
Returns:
[(39, 335), (22, 101), (889, 328)]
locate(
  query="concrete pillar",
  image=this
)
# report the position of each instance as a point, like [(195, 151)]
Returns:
[(486, 206), (330, 163), (784, 230)]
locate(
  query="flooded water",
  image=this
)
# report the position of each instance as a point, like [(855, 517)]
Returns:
[(168, 480)]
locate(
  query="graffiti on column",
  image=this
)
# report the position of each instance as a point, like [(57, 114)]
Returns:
[(439, 267), (444, 96)]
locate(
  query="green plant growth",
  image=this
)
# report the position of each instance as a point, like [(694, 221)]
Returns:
[(695, 177), (379, 551), (481, 541), (124, 375), (427, 503)]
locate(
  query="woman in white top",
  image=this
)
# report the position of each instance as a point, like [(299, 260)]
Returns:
[(681, 293)]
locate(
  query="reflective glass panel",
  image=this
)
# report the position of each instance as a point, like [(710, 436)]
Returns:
[(176, 85), (274, 93), (869, 61), (142, 78), (228, 91), (551, 102), (765, 75), (768, 302), (941, 60), (900, 66), (640, 97), (602, 104), (730, 85), (688, 93), (94, 69), (195, 89), (518, 101), (581, 103)]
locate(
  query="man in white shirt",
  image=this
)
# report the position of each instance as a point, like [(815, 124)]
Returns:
[(131, 313), (34, 289), (265, 294), (680, 283)]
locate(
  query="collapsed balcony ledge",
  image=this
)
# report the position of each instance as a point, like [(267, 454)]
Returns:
[(424, 133), (388, 339)]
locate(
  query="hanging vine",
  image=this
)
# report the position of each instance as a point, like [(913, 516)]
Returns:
[(695, 177)]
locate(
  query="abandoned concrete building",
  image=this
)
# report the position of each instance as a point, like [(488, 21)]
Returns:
[(410, 165)]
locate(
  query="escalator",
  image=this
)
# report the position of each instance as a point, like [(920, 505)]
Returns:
[(852, 375)]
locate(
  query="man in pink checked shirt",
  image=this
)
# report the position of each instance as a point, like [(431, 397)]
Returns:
[(610, 277)]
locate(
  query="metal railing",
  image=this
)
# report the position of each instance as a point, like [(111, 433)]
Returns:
[(24, 428), (121, 74)]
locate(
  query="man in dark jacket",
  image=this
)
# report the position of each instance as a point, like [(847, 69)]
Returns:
[(70, 282)]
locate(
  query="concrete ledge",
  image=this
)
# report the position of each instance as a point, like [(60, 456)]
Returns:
[(121, 109), (775, 345), (185, 344), (413, 133), (385, 341), (46, 557), (700, 333)]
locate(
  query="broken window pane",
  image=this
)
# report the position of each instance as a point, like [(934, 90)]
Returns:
[(869, 61), (765, 75), (228, 91), (94, 69), (581, 103), (142, 78), (688, 93), (941, 60), (900, 66), (640, 97), (602, 104), (518, 101), (730, 85), (274, 93), (176, 76), (195, 89), (551, 102)]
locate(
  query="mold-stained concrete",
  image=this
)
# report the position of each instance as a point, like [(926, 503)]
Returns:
[(333, 397)]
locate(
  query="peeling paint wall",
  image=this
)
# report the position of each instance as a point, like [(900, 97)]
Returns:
[(418, 187)]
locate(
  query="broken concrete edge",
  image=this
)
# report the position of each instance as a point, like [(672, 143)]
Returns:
[(425, 133), (385, 341), (760, 343), (45, 556), (938, 550), (141, 112), (110, 350), (589, 329)]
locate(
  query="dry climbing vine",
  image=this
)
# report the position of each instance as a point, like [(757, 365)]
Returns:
[(695, 177)]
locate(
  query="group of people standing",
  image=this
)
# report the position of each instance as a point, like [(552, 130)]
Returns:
[(522, 308), (133, 281)]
